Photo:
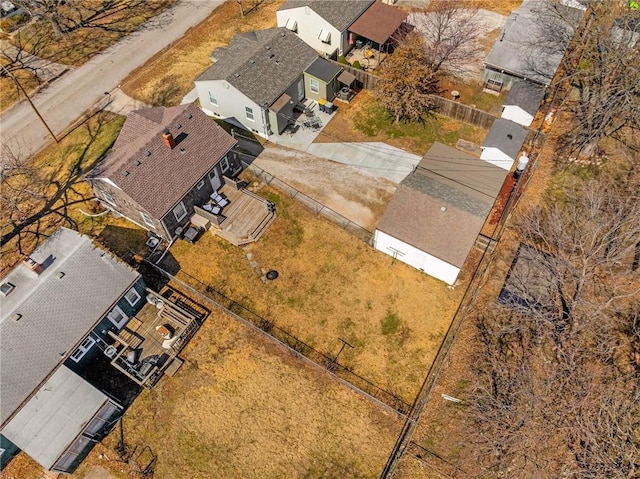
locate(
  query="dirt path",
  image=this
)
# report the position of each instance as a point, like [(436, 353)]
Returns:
[(358, 196)]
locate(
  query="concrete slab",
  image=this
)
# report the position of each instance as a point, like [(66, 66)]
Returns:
[(376, 158)]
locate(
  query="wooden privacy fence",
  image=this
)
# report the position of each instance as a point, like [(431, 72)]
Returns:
[(366, 79)]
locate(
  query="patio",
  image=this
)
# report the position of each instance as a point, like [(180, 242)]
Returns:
[(306, 128), (148, 345), (368, 57)]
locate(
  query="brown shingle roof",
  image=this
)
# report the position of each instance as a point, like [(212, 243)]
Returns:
[(154, 175), (379, 22)]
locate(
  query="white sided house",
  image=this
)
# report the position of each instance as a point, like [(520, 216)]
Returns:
[(257, 80), (522, 102), (437, 212), (322, 24), (503, 143)]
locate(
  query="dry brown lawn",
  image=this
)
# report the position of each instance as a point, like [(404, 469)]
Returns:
[(331, 286), (9, 92), (169, 75), (243, 407)]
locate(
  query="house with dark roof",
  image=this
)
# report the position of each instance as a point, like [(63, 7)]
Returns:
[(258, 79), (165, 163), (522, 102), (532, 43), (57, 309), (322, 24), (437, 212), (503, 143)]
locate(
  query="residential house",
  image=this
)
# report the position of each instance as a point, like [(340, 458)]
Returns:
[(437, 212), (259, 78), (323, 24), (164, 161), (503, 143), (57, 310), (522, 102), (531, 44)]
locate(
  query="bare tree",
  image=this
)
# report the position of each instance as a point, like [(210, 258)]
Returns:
[(606, 83), (556, 379), (451, 33), (406, 81)]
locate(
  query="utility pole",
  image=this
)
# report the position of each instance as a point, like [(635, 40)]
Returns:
[(30, 102)]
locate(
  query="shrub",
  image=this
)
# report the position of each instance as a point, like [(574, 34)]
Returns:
[(342, 60), (356, 65)]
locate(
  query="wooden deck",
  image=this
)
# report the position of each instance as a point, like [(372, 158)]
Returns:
[(245, 218), (143, 354)]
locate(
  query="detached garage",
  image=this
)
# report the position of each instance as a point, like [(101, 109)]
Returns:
[(435, 215)]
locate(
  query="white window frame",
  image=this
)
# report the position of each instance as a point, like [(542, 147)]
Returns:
[(137, 297), (248, 112), (182, 211), (213, 98), (108, 197), (118, 324), (292, 24), (315, 89), (85, 346), (148, 220), (224, 164), (200, 185)]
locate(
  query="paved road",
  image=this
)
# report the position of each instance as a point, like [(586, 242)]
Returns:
[(71, 95)]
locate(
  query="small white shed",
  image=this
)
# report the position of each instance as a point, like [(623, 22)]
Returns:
[(522, 102), (503, 143)]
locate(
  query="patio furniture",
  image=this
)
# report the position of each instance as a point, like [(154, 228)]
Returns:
[(223, 202), (216, 197), (191, 234)]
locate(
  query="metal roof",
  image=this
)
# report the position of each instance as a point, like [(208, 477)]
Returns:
[(56, 311), (54, 417)]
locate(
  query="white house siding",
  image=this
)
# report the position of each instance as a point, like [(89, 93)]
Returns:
[(517, 115), (496, 157), (415, 257), (309, 26), (231, 104)]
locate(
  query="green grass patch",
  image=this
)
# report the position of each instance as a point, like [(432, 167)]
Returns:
[(390, 323)]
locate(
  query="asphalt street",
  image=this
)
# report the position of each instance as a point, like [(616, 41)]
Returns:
[(70, 96)]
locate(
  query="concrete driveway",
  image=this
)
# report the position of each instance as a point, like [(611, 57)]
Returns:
[(67, 98)]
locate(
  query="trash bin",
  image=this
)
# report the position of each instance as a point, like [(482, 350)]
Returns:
[(328, 107), (359, 43)]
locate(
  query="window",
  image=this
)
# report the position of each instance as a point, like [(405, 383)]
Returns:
[(132, 297), (200, 185), (292, 24), (213, 99), (325, 36), (85, 346), (180, 211), (249, 113), (315, 85), (108, 198), (224, 164), (147, 219), (117, 317)]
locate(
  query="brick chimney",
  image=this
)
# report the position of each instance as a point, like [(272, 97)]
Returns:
[(169, 140)]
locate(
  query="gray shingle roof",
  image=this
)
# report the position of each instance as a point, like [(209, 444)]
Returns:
[(525, 94), (261, 64), (323, 70), (56, 313), (165, 176), (533, 40), (441, 206), (339, 13), (507, 136)]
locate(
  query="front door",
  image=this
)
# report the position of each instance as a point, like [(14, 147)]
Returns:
[(214, 177)]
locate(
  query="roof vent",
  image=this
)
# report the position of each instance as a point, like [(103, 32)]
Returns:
[(237, 75), (125, 173), (283, 34), (182, 150), (510, 136), (16, 317), (147, 153), (178, 126), (268, 47), (443, 208), (33, 265), (138, 162), (252, 61), (271, 55), (189, 116), (60, 274), (6, 289)]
